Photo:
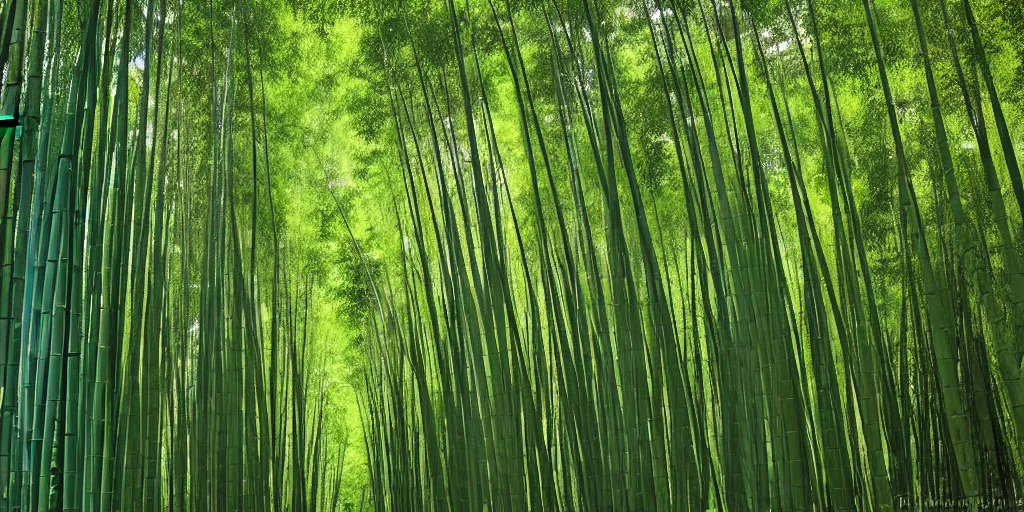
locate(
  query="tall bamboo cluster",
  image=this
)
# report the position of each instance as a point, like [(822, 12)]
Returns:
[(148, 359), (553, 340)]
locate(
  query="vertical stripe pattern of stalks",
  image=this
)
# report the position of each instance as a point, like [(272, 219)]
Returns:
[(150, 360), (651, 255), (558, 342)]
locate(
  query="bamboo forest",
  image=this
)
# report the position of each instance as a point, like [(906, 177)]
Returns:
[(511, 255)]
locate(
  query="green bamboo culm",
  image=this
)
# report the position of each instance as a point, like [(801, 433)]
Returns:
[(724, 353), (501, 255), (114, 397)]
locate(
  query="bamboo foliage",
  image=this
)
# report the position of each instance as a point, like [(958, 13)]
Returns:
[(123, 389), (563, 349), (600, 255)]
